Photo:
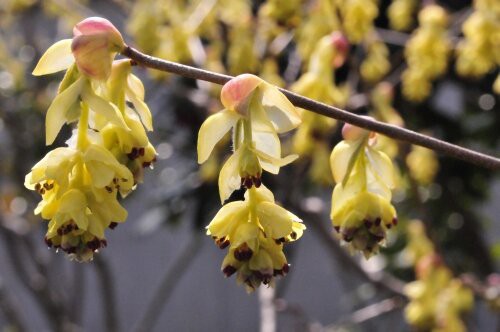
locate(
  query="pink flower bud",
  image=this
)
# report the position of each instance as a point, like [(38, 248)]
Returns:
[(95, 43), (341, 46), (236, 91), (352, 133)]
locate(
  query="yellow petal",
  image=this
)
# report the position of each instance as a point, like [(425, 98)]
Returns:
[(272, 164), (135, 84), (212, 131), (103, 107), (227, 219), (229, 177), (340, 159), (142, 109), (279, 109), (72, 200), (276, 221), (57, 57), (381, 165), (56, 114)]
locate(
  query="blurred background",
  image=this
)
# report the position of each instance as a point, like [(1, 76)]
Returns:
[(159, 271)]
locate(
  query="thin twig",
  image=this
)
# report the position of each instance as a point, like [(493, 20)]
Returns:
[(267, 310), (10, 310), (389, 130), (167, 285), (369, 312), (108, 293)]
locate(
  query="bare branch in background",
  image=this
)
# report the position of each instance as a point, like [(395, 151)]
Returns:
[(105, 277), (167, 285)]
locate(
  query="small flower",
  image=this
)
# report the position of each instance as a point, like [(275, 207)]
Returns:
[(257, 112), (361, 201), (255, 230), (93, 47), (271, 107), (79, 197)]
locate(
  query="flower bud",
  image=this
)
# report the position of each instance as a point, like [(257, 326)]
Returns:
[(95, 42), (353, 133), (235, 93), (341, 46)]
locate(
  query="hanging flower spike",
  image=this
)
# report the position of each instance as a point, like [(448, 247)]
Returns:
[(361, 201), (79, 184), (257, 111), (78, 190), (255, 230)]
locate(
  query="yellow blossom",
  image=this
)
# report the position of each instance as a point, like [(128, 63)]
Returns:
[(255, 230)]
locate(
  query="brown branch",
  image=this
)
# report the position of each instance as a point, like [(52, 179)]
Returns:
[(105, 277), (167, 285), (392, 131)]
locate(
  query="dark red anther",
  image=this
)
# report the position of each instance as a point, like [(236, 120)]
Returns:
[(222, 243), (133, 154), (141, 152), (248, 182), (368, 223), (257, 182), (48, 242), (243, 253), (104, 243), (113, 225), (70, 250), (285, 269), (293, 235), (388, 226), (378, 238), (146, 164), (336, 228), (109, 189), (378, 221), (229, 271), (38, 186), (395, 221)]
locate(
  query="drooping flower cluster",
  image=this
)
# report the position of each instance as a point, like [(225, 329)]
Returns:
[(312, 137), (401, 13), (105, 156), (437, 299), (255, 229), (361, 202), (426, 53), (376, 64), (358, 17), (479, 52)]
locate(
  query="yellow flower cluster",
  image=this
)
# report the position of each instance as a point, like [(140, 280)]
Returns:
[(422, 164), (381, 99), (358, 17), (105, 156), (376, 64), (437, 300), (255, 229), (400, 14), (312, 137), (479, 52), (426, 53), (361, 202)]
